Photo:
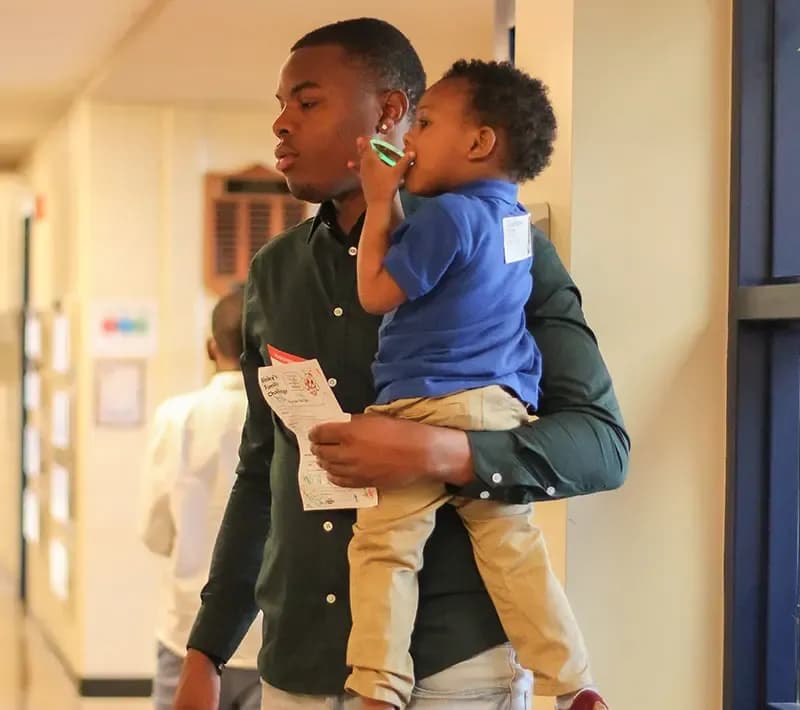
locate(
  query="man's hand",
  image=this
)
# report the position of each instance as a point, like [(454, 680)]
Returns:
[(198, 687), (375, 450)]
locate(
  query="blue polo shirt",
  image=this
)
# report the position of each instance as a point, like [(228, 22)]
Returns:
[(463, 325)]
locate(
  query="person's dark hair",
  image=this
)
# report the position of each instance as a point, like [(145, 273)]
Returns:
[(383, 50), (226, 323), (508, 99)]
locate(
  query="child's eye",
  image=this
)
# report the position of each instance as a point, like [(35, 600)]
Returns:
[(305, 105), (423, 122)]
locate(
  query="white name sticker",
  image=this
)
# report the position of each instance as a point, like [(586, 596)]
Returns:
[(517, 238)]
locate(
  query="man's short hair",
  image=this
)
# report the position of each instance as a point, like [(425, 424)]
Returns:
[(383, 50), (226, 323), (510, 100)]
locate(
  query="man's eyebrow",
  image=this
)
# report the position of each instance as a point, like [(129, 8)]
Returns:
[(297, 88)]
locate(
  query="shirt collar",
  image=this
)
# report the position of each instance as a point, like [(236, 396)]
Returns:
[(496, 189), (326, 216), (228, 380)]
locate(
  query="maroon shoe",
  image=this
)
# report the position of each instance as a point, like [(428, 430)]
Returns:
[(588, 700)]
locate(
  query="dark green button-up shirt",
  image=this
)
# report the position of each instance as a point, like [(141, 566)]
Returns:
[(301, 298)]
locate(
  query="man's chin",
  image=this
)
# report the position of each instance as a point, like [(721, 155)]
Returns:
[(305, 192)]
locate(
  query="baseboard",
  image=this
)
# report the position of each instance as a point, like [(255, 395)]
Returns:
[(96, 687), (114, 687)]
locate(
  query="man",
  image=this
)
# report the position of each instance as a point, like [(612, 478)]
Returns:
[(188, 474), (362, 77)]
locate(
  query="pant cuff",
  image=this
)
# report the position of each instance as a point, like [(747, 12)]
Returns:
[(374, 686)]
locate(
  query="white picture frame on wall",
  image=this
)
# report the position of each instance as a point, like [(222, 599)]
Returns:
[(119, 393)]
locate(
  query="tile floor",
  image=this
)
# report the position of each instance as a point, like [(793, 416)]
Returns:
[(31, 678)]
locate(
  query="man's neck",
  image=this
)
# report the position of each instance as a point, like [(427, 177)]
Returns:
[(348, 210)]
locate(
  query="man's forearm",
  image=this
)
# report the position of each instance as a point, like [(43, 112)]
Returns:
[(561, 455)]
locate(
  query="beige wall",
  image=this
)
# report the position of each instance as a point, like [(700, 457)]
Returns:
[(649, 249)]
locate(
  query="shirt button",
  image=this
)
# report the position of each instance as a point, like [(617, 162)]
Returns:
[(352, 251), (338, 312), (551, 491), (332, 382), (331, 599), (327, 526), (497, 477), (485, 495)]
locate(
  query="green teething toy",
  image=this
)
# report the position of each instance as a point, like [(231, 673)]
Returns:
[(388, 153)]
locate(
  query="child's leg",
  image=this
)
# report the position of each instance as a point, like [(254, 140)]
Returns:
[(385, 556), (512, 558)]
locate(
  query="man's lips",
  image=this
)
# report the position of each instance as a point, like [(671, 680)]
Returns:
[(285, 159)]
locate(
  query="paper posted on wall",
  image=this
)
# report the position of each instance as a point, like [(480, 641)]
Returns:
[(298, 392)]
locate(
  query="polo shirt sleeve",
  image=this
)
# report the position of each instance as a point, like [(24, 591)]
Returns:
[(424, 247)]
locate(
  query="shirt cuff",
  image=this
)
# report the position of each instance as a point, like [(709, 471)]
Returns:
[(218, 662), (499, 474), (217, 632)]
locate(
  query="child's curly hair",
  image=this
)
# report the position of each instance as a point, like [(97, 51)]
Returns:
[(508, 99)]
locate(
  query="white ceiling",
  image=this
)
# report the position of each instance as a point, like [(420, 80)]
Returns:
[(48, 49), (203, 51), (206, 50)]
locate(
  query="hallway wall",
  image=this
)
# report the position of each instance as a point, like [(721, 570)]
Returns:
[(651, 137)]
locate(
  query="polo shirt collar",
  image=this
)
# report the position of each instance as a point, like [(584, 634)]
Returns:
[(493, 189)]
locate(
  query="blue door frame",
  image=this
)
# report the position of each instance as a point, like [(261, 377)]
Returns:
[(762, 563)]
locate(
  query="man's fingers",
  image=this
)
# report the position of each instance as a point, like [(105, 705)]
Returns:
[(343, 479), (331, 454), (327, 433)]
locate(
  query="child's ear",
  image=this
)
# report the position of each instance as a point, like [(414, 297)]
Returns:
[(483, 143)]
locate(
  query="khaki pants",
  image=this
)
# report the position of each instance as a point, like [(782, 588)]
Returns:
[(386, 556)]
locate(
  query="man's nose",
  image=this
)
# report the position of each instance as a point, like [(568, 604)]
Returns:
[(281, 127)]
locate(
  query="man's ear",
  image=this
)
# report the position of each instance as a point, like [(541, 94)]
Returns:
[(394, 109), (483, 143), (211, 349)]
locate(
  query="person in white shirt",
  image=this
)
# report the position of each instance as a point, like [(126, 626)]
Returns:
[(190, 468)]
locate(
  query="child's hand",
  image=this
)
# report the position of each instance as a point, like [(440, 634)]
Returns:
[(379, 181)]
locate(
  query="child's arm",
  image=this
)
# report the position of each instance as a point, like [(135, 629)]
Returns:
[(378, 291)]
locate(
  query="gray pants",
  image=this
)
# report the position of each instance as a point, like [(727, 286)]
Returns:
[(491, 681), (241, 689)]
